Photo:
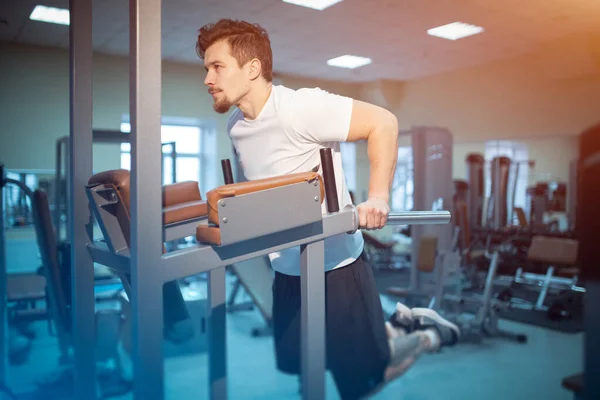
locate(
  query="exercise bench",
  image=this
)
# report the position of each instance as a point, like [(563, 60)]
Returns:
[(559, 255)]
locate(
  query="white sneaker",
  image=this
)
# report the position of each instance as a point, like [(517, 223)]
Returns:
[(402, 318), (426, 318)]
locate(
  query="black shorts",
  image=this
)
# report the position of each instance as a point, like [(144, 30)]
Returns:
[(357, 346)]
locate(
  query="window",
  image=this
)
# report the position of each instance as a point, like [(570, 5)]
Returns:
[(348, 151), (403, 187), (519, 169), (194, 145)]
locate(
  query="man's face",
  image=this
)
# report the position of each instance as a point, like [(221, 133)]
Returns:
[(227, 83)]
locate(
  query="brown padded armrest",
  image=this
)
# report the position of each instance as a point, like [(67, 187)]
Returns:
[(208, 234), (552, 250), (237, 189), (181, 200), (185, 211), (180, 192)]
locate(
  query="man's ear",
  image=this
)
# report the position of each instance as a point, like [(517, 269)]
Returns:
[(255, 68)]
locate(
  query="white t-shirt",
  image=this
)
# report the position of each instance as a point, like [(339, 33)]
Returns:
[(285, 138)]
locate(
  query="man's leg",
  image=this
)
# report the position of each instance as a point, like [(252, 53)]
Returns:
[(412, 333), (363, 354), (357, 344), (286, 322)]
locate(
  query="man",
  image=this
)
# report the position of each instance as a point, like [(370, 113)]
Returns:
[(276, 131)]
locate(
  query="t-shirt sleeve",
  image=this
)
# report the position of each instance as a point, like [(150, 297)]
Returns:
[(319, 116)]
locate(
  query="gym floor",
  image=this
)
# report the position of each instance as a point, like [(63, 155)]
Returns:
[(494, 369)]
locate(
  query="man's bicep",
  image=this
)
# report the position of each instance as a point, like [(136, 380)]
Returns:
[(365, 119)]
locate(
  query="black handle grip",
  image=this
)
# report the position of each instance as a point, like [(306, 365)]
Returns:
[(227, 174), (329, 180)]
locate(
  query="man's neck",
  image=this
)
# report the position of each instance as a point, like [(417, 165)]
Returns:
[(252, 104)]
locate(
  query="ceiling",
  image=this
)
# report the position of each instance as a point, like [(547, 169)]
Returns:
[(391, 32)]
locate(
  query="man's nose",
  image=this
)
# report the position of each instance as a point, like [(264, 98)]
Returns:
[(208, 80)]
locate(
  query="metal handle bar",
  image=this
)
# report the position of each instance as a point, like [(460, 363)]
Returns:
[(412, 218), (419, 218)]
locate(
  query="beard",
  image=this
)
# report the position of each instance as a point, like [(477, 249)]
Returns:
[(222, 105)]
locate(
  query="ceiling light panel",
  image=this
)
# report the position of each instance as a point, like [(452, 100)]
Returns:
[(314, 4), (51, 15), (455, 31), (349, 61)]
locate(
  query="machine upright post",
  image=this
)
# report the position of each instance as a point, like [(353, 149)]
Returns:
[(329, 180), (57, 191), (147, 277), (217, 334), (174, 162), (78, 222), (3, 288), (511, 211), (497, 194), (227, 174), (313, 345)]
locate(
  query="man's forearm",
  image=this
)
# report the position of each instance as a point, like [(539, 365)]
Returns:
[(382, 149)]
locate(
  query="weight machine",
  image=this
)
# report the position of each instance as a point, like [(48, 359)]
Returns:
[(227, 233), (62, 174), (500, 208), (50, 286), (441, 254), (19, 291), (285, 212), (431, 245)]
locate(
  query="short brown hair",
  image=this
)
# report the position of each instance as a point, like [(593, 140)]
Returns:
[(247, 41)]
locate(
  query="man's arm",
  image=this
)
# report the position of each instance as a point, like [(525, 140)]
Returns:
[(321, 117), (379, 128)]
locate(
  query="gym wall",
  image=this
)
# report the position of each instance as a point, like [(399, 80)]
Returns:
[(552, 155), (543, 99), (515, 99), (35, 103), (553, 91)]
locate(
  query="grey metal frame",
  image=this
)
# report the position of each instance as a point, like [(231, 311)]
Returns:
[(3, 290), (99, 136), (80, 227), (146, 198), (298, 223)]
